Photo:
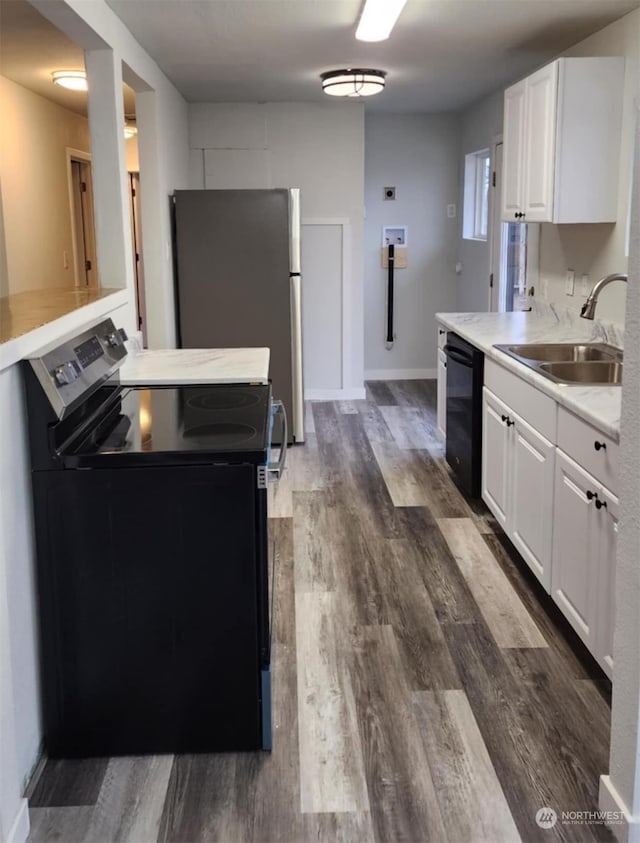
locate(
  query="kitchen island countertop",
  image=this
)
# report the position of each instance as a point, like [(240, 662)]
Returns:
[(599, 405), (184, 366)]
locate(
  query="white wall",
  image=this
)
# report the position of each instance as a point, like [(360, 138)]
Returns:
[(479, 125), (621, 789), (320, 149), (418, 155), (164, 167), (35, 187)]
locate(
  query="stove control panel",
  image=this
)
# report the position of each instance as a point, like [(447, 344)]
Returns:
[(70, 371)]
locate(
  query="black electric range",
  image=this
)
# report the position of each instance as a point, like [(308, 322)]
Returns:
[(154, 584)]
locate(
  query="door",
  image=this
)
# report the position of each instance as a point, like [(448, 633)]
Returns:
[(138, 263), (514, 151), (496, 436), (542, 93), (149, 609), (531, 499), (233, 286), (83, 225), (576, 537), (608, 516)]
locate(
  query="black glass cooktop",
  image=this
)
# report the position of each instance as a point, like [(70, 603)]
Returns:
[(187, 422)]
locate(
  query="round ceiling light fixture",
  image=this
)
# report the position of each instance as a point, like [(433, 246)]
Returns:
[(353, 82), (74, 80)]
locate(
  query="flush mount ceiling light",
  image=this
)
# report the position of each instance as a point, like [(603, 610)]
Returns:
[(353, 82), (74, 80), (378, 19)]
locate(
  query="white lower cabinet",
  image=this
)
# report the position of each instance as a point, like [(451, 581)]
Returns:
[(584, 554), (517, 482)]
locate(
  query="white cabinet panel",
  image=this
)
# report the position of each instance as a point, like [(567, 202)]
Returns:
[(575, 539), (584, 557), (607, 581), (542, 90), (495, 456), (513, 150), (532, 499)]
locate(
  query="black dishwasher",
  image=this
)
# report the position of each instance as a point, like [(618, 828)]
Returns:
[(465, 372)]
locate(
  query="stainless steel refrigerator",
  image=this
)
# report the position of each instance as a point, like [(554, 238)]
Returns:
[(238, 282)]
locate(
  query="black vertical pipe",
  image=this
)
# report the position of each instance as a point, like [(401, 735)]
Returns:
[(390, 263)]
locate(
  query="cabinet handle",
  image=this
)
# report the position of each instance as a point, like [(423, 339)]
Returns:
[(504, 418), (600, 446), (441, 332), (591, 495), (600, 504), (509, 422)]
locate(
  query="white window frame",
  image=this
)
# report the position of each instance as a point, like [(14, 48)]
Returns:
[(477, 174)]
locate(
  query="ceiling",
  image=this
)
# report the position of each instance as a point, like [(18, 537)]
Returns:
[(31, 48), (442, 54)]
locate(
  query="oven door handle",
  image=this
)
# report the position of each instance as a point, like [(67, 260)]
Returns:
[(275, 469), (458, 356)]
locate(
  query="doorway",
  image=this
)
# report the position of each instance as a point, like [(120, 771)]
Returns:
[(138, 264), (83, 232)]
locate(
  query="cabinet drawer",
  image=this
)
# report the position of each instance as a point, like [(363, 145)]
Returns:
[(578, 439), (538, 409)]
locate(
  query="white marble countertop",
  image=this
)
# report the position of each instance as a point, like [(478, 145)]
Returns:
[(183, 366), (599, 405)]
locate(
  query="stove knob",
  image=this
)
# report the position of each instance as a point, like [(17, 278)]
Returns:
[(65, 374), (113, 339)]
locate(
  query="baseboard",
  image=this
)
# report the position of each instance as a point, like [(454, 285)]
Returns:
[(400, 374), (609, 800), (350, 394), (19, 830)]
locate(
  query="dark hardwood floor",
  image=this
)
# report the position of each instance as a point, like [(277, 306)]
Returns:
[(425, 688)]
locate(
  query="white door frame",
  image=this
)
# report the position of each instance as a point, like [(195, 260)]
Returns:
[(496, 233)]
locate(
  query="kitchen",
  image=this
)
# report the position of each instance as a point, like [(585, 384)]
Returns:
[(326, 175)]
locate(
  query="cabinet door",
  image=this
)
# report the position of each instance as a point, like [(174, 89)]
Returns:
[(606, 607), (540, 122), (496, 435), (513, 151), (531, 500), (574, 573), (442, 393)]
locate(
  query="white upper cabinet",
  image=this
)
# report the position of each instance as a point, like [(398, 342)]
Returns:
[(562, 131)]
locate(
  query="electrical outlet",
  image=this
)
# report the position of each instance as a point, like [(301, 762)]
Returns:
[(570, 282), (451, 211), (584, 284)]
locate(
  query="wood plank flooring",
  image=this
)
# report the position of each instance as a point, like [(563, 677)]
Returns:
[(425, 688)]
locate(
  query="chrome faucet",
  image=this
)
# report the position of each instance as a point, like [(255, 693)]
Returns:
[(588, 310)]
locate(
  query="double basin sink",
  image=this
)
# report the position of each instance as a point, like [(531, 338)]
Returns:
[(589, 364)]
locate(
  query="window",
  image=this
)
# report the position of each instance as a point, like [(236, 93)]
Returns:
[(477, 175)]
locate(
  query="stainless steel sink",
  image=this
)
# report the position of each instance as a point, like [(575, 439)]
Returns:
[(566, 351), (568, 362), (585, 372)]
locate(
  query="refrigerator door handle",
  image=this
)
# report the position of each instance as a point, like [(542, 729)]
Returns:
[(275, 469), (296, 353)]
